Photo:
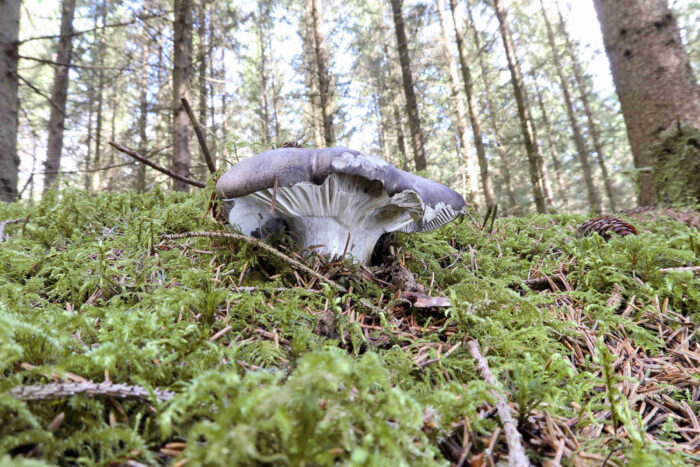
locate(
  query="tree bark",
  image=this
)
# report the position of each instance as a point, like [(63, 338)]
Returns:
[(493, 121), (552, 144), (323, 76), (534, 159), (409, 91), (461, 121), (182, 66), (59, 94), (9, 100), (592, 192), (652, 76)]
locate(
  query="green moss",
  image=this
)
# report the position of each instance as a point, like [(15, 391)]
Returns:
[(87, 287)]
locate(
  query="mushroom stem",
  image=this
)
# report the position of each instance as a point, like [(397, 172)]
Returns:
[(327, 236)]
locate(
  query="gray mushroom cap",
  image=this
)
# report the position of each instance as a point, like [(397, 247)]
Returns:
[(409, 203)]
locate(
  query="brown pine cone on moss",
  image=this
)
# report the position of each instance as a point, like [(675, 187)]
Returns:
[(606, 226)]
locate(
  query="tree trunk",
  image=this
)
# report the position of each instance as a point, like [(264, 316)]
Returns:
[(97, 160), (9, 101), (263, 104), (534, 159), (59, 94), (468, 162), (87, 179), (592, 192), (472, 106), (592, 127), (409, 91), (493, 121), (461, 121), (324, 81), (202, 59), (652, 76), (143, 116), (552, 144), (310, 79), (182, 66), (275, 94)]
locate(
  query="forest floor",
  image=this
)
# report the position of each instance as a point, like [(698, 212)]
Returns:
[(213, 350)]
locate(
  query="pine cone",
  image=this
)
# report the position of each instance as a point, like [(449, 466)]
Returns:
[(606, 226), (291, 144)]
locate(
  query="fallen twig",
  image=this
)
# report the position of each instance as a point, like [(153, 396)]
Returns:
[(200, 136), (259, 244), (695, 269), (38, 392), (516, 452), (152, 164)]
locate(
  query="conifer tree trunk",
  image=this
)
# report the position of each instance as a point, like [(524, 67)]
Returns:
[(324, 80), (652, 76), (9, 101), (310, 80), (264, 112), (140, 185), (472, 106), (531, 147), (591, 191), (592, 127), (182, 66), (202, 59), (97, 159), (409, 91), (87, 177), (59, 94), (552, 144), (493, 121), (467, 157)]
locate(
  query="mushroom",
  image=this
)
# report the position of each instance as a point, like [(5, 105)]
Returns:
[(334, 200)]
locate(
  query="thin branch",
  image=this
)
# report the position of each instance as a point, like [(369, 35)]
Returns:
[(694, 269), (200, 136), (21, 192), (78, 33), (255, 242), (39, 392), (98, 169), (152, 164), (41, 93), (516, 452), (72, 65)]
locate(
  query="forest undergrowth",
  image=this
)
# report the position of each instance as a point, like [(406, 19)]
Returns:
[(230, 355)]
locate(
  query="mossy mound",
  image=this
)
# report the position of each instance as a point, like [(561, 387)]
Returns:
[(269, 367), (677, 165)]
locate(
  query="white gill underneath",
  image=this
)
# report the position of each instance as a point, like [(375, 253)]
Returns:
[(433, 217), (322, 216)]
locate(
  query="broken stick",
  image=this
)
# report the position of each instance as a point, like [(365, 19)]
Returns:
[(516, 452)]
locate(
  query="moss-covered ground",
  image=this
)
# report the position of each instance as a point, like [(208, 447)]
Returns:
[(270, 367)]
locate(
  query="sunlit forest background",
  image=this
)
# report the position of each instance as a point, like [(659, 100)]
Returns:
[(251, 72)]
